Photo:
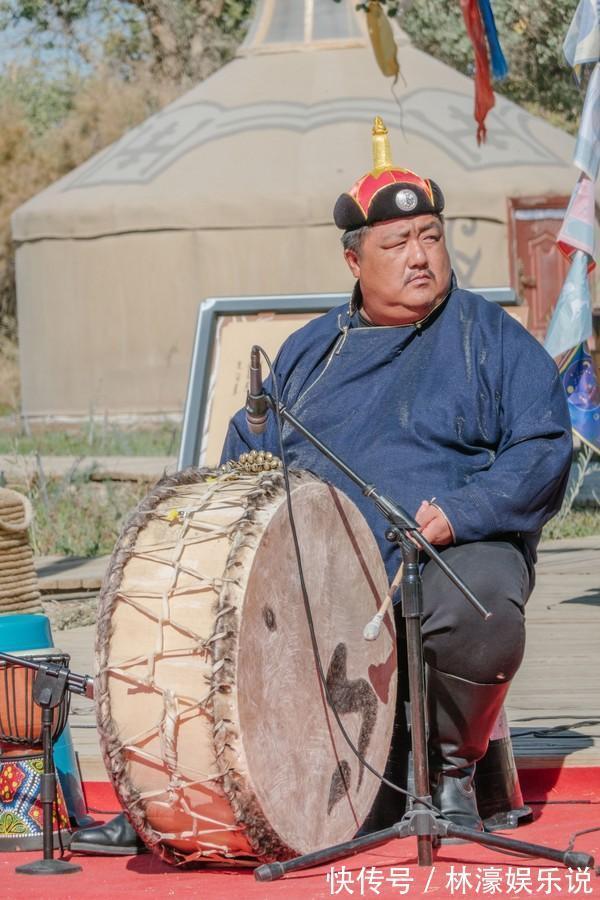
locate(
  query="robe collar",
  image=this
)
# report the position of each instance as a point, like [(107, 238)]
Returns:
[(356, 302)]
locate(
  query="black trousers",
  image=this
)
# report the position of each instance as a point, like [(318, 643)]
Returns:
[(457, 640)]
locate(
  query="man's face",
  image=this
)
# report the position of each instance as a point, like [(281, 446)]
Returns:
[(403, 267)]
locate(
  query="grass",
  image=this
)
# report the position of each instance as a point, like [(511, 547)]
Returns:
[(92, 439), (576, 523), (77, 517)]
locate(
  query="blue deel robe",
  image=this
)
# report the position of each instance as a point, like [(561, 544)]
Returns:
[(467, 407)]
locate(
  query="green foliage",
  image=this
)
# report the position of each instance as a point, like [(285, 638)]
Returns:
[(75, 516), (531, 33), (234, 15), (44, 101), (180, 39), (572, 522)]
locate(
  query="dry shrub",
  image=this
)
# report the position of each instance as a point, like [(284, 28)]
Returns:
[(9, 375), (102, 109), (76, 517)]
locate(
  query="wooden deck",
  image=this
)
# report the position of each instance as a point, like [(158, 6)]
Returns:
[(554, 704)]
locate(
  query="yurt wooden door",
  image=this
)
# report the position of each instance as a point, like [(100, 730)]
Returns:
[(537, 266)]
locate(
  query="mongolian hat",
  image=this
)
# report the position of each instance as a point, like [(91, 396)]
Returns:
[(386, 192)]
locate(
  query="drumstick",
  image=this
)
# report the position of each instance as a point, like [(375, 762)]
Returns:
[(372, 629)]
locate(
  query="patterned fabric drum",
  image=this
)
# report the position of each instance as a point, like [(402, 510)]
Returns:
[(212, 719), (21, 813)]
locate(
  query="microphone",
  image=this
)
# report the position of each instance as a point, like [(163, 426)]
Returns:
[(257, 407)]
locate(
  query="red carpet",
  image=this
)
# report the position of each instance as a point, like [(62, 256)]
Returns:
[(565, 801)]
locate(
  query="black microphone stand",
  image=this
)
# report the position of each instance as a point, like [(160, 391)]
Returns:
[(422, 820), (49, 688)]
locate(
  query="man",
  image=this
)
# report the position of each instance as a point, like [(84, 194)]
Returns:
[(451, 408)]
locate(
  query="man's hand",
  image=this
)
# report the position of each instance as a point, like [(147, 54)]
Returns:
[(433, 524)]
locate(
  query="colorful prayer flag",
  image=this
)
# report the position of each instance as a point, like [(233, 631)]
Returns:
[(583, 394), (571, 322), (577, 231), (484, 93), (587, 149), (499, 64), (582, 43)]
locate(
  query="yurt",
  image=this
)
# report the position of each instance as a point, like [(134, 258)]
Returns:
[(230, 190)]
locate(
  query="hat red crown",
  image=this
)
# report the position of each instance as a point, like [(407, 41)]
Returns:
[(365, 189), (387, 191)]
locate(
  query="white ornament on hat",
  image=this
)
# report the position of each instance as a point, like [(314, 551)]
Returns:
[(406, 200)]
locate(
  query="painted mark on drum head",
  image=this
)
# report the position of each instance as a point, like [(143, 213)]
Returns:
[(384, 672), (352, 696), (340, 784), (269, 617)]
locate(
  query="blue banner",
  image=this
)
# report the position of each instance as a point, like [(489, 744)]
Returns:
[(499, 64), (583, 394)]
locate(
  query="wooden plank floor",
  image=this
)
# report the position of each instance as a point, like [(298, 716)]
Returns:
[(554, 703), (558, 685)]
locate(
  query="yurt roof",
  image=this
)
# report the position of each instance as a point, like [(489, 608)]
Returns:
[(275, 135)]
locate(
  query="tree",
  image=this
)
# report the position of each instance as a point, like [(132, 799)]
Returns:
[(531, 33), (99, 68), (182, 40)]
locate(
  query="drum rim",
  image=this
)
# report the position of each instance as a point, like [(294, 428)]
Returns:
[(261, 836)]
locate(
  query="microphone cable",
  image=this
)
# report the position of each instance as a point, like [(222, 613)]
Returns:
[(308, 609)]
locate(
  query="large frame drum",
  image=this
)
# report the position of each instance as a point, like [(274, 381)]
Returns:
[(213, 722)]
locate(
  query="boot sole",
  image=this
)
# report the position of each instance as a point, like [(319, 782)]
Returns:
[(103, 850)]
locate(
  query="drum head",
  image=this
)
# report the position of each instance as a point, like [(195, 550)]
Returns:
[(260, 768)]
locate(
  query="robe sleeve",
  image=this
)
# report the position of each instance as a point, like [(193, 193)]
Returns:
[(525, 484)]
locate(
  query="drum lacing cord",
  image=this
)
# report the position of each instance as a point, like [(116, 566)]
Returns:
[(174, 790), (178, 783), (176, 566), (308, 610)]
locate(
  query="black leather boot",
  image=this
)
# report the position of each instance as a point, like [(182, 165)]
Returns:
[(115, 838), (461, 717)]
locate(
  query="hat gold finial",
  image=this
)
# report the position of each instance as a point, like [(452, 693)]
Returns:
[(382, 154)]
